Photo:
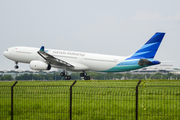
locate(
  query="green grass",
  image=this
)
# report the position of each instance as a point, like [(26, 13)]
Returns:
[(91, 100)]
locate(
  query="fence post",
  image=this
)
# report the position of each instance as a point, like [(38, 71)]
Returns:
[(12, 100), (137, 99), (70, 109)]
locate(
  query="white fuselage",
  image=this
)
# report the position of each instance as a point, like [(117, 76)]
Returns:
[(81, 60)]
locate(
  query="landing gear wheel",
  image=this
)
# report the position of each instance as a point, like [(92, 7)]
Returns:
[(62, 74), (81, 74), (67, 77), (86, 77), (16, 67)]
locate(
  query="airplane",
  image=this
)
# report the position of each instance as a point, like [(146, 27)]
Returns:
[(45, 59)]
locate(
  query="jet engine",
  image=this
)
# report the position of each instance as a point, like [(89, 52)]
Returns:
[(39, 65)]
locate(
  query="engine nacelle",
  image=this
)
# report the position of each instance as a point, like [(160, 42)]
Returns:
[(39, 65)]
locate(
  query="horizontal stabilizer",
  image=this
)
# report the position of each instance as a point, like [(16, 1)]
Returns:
[(144, 62)]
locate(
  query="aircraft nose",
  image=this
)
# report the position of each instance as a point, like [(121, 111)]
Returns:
[(5, 53)]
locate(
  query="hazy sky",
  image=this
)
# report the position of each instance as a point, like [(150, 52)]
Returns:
[(118, 27)]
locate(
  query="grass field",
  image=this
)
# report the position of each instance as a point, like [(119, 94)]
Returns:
[(91, 100)]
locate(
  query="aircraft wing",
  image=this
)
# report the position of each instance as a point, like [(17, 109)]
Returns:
[(53, 60)]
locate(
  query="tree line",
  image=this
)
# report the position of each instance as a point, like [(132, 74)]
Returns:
[(94, 75)]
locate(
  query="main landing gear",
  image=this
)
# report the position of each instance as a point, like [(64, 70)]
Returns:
[(16, 66), (64, 74), (84, 74), (67, 77)]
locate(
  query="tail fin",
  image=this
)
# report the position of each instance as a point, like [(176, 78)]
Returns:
[(149, 49)]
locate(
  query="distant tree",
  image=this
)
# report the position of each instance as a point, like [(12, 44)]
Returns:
[(6, 77), (156, 76), (169, 75), (147, 76), (75, 76), (94, 75), (127, 75), (109, 76)]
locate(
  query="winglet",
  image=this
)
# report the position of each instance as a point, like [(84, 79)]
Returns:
[(42, 48)]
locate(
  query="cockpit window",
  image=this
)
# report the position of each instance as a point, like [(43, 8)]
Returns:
[(6, 49)]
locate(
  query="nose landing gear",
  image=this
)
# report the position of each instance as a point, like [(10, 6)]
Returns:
[(16, 66)]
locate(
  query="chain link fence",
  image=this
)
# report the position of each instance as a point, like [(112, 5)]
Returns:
[(90, 101)]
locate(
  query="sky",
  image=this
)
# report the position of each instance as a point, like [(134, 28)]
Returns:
[(115, 27)]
